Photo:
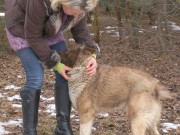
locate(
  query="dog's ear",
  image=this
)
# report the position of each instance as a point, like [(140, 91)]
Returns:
[(70, 55), (89, 49)]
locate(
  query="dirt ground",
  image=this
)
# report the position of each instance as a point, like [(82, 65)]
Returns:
[(165, 67)]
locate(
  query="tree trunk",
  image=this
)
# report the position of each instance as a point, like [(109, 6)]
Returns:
[(96, 26), (160, 27), (127, 9), (166, 22), (135, 22), (118, 13)]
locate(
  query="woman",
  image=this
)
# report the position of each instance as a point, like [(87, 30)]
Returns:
[(35, 32)]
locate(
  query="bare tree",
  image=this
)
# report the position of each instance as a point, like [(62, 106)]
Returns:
[(118, 13), (162, 24), (134, 23), (127, 9), (96, 26)]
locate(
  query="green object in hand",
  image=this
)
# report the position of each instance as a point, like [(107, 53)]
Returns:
[(94, 55), (59, 67)]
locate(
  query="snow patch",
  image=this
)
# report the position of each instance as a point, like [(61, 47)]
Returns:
[(9, 87), (89, 25), (14, 122), (19, 76), (169, 126), (16, 105), (2, 14), (51, 109), (174, 26), (154, 27), (51, 106), (11, 122), (1, 95), (101, 31), (110, 27), (72, 116), (47, 99), (103, 114), (93, 128), (2, 130), (14, 97), (116, 34), (140, 31)]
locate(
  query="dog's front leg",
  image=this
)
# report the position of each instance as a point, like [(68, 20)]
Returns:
[(85, 128), (86, 123)]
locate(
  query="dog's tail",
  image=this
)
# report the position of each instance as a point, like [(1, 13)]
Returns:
[(163, 93)]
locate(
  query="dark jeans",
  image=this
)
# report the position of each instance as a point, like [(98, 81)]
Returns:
[(34, 69)]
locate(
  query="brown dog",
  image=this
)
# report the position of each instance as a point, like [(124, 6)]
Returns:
[(113, 88)]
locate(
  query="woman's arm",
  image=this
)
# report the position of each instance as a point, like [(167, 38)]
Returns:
[(80, 32), (81, 35), (34, 25)]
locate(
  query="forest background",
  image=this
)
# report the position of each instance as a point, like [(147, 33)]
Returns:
[(142, 34)]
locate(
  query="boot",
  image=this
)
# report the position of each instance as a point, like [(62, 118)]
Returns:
[(63, 110), (30, 105)]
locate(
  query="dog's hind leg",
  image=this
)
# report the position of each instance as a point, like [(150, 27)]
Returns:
[(138, 125), (153, 118), (137, 115), (152, 127), (154, 131)]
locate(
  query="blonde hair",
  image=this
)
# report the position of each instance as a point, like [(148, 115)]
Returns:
[(86, 5)]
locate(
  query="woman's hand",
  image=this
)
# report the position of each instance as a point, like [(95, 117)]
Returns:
[(91, 66), (62, 69), (64, 72)]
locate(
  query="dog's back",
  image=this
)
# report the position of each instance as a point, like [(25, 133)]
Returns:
[(120, 88), (122, 84)]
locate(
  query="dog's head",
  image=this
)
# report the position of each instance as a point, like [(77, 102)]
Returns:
[(76, 55)]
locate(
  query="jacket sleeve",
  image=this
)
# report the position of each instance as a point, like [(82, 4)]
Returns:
[(34, 25), (81, 34)]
